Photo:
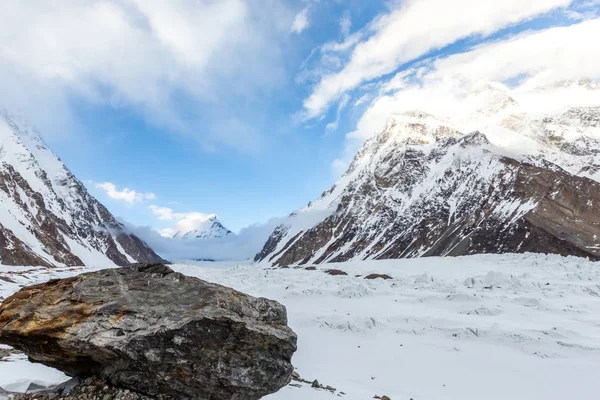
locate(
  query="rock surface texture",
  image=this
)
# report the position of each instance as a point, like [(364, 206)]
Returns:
[(47, 217), (154, 331), (426, 186)]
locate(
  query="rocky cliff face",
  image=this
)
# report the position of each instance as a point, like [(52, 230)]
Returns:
[(424, 186), (47, 217)]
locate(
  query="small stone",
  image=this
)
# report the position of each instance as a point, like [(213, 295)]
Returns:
[(378, 276), (316, 384), (335, 272)]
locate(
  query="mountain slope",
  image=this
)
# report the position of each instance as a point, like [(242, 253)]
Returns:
[(210, 228), (423, 187), (47, 217)]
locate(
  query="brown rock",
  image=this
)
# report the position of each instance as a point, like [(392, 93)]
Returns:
[(335, 272), (195, 339), (378, 276)]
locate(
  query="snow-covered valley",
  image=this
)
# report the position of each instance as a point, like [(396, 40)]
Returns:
[(476, 327), (312, 200)]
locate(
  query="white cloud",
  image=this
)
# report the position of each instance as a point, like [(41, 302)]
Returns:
[(440, 85), (163, 213), (185, 222), (413, 29), (345, 24), (585, 9), (333, 126), (300, 22), (537, 58), (545, 57), (167, 232), (127, 195), (143, 54)]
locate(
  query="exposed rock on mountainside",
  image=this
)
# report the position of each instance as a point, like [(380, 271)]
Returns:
[(423, 187), (195, 339), (47, 217), (211, 228)]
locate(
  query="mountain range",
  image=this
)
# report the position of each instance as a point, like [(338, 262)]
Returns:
[(502, 172), (504, 175)]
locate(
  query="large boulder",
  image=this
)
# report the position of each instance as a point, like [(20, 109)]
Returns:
[(154, 331)]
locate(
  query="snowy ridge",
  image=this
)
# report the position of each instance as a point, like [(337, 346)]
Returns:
[(426, 186), (559, 123), (47, 217)]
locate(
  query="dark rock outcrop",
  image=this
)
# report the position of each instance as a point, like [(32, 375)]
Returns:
[(154, 331), (336, 272), (378, 276)]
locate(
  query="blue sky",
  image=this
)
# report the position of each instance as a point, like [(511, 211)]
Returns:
[(231, 107)]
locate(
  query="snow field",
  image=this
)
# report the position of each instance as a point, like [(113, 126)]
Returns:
[(476, 327)]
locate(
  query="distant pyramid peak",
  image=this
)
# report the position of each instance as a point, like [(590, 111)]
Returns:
[(208, 228)]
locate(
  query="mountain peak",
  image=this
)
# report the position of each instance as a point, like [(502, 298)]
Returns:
[(425, 186), (207, 227), (47, 216), (474, 139)]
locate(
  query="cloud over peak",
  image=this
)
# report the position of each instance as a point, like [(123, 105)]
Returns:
[(412, 30)]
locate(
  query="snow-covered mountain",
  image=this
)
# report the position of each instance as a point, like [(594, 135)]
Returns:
[(500, 176), (47, 217), (209, 228)]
